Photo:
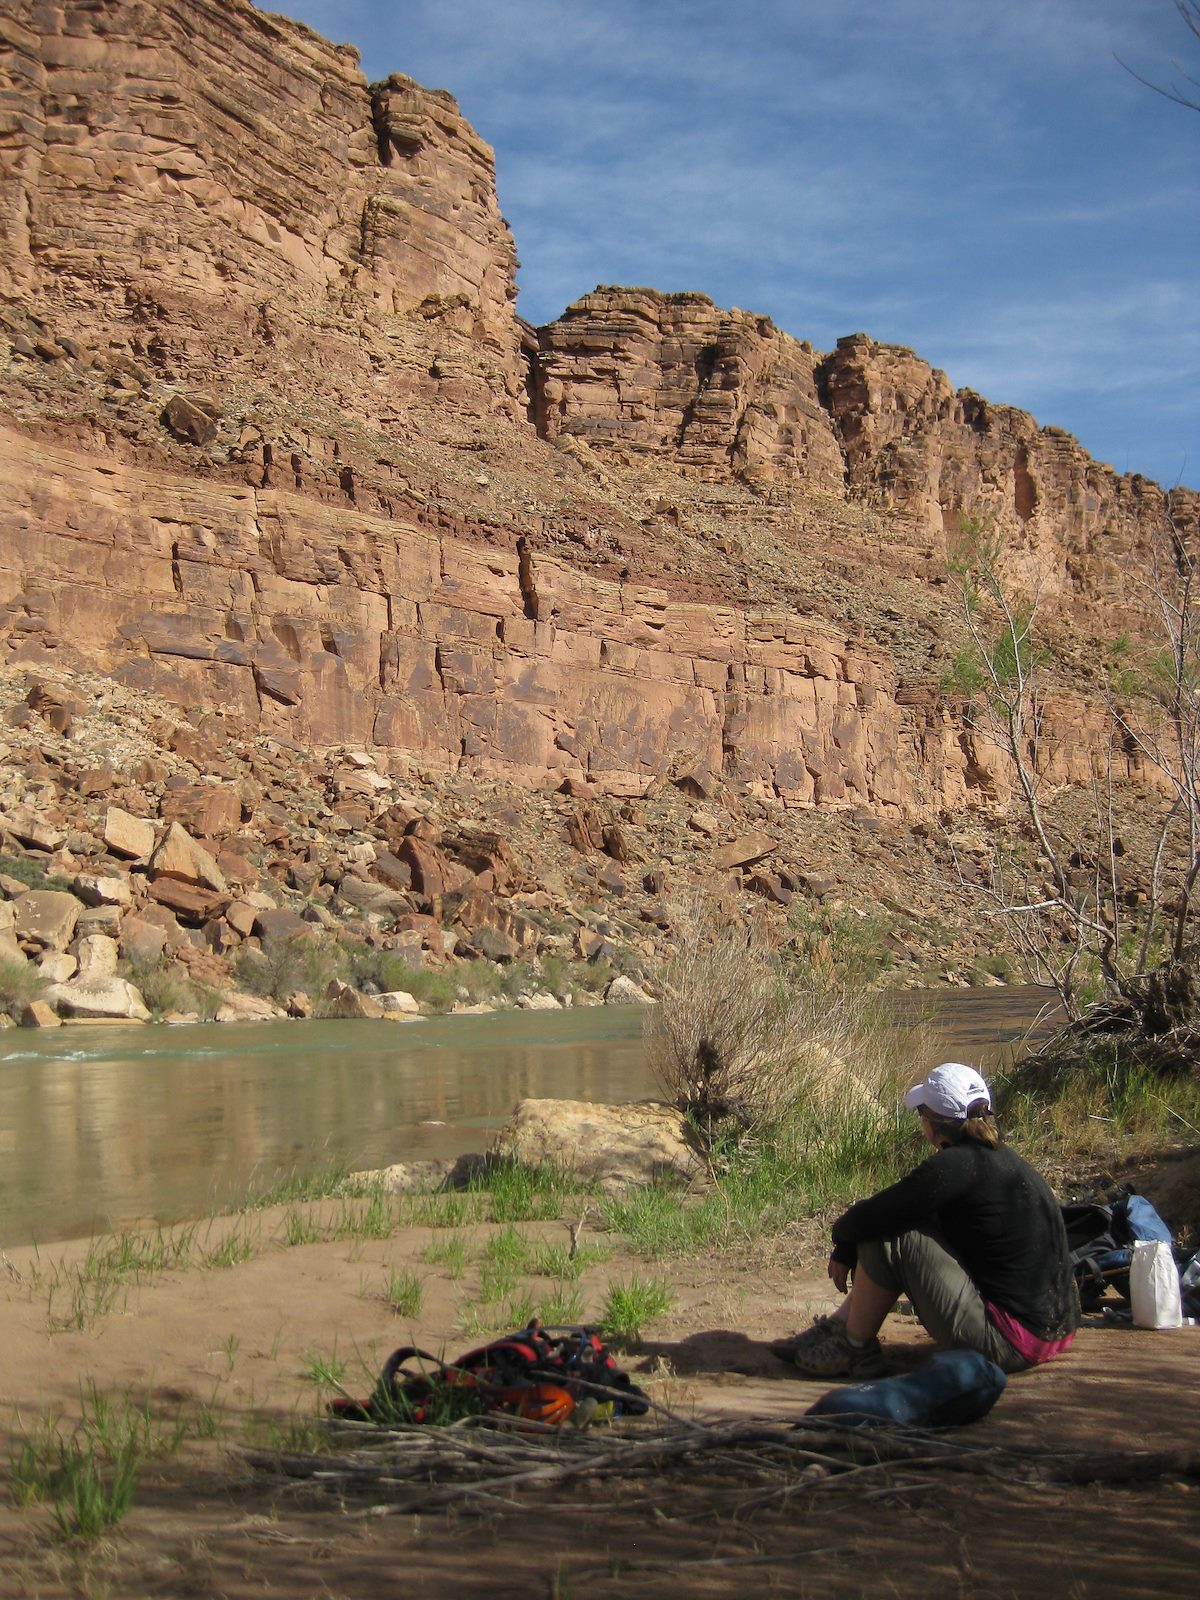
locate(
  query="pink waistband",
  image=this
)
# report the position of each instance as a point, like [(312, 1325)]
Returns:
[(1027, 1344)]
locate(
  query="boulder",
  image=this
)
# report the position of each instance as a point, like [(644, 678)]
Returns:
[(622, 991), (426, 865), (364, 896), (188, 901), (108, 998), (743, 850), (427, 1177), (97, 780), (142, 942), (390, 870), (240, 1007), (103, 889), (830, 1085), (276, 923), (99, 919), (57, 967), (46, 918), (38, 1014), (97, 957), (617, 1144), (539, 1002), (769, 886), (32, 829), (344, 1000), (179, 856), (241, 916), (211, 810), (127, 835), (188, 422), (416, 929), (492, 944), (398, 1002)]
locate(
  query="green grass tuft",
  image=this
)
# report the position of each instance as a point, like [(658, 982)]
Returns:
[(404, 1293), (517, 1193), (628, 1307)]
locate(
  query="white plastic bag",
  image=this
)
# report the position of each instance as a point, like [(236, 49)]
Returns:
[(1154, 1286)]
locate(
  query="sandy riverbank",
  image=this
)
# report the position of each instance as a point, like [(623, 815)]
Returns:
[(228, 1348)]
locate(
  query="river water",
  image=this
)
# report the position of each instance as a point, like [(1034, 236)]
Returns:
[(107, 1127)]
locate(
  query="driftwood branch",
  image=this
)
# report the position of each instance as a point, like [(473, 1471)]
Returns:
[(410, 1469)]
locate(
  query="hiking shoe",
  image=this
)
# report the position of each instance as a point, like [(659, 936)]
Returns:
[(825, 1351), (786, 1349)]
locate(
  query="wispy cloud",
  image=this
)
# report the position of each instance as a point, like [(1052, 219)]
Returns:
[(985, 183)]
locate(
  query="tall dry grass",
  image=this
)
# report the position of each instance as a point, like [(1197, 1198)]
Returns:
[(751, 1034)]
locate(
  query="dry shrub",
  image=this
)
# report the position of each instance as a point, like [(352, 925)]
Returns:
[(747, 1035), (722, 1044)]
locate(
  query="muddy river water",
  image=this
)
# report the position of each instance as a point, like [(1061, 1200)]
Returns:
[(105, 1127)]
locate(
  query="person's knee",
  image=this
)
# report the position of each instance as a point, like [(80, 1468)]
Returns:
[(875, 1261)]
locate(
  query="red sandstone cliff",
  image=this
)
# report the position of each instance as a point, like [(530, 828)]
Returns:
[(266, 437)]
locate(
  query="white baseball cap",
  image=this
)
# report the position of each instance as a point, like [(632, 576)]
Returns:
[(949, 1091)]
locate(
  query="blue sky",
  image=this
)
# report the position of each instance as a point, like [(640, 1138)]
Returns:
[(981, 181)]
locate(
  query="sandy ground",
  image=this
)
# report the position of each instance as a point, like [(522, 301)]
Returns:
[(233, 1344)]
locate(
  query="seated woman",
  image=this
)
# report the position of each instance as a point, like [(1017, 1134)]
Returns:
[(973, 1237)]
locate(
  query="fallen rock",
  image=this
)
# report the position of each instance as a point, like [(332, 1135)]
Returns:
[(99, 919), (539, 1002), (426, 1177), (97, 957), (46, 918), (619, 1145), (211, 810), (32, 829), (241, 916), (188, 422), (39, 1014), (344, 1000), (492, 944), (127, 835), (188, 901), (240, 1007), (108, 998), (179, 856), (390, 870), (622, 991), (399, 1002), (743, 850), (426, 864), (142, 942), (103, 889), (275, 924), (829, 1084), (364, 896), (57, 967)]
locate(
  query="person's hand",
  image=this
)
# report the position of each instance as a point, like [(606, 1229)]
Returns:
[(839, 1274)]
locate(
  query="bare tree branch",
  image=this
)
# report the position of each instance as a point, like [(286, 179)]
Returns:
[(1189, 11)]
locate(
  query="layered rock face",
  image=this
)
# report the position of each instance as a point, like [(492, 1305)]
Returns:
[(269, 451), (329, 628), (719, 392), (913, 446), (211, 172), (723, 394)]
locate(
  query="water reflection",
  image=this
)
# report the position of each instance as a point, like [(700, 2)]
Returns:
[(105, 1127)]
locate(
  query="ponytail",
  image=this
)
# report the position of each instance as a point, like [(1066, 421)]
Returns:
[(979, 1126)]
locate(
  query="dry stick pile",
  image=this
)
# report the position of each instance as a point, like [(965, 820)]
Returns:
[(482, 1461)]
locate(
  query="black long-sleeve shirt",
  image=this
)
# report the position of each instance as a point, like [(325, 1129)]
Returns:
[(997, 1215)]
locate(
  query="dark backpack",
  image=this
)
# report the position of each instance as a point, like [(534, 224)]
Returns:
[(539, 1374), (1101, 1238)]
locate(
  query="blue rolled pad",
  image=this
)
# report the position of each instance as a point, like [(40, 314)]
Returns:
[(952, 1388)]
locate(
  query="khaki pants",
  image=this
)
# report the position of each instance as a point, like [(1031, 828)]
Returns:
[(922, 1265)]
